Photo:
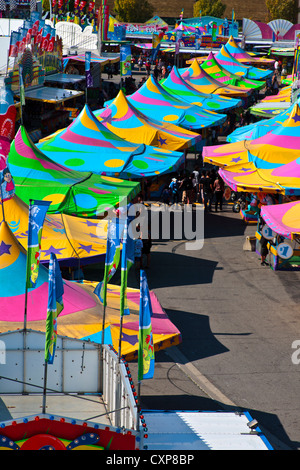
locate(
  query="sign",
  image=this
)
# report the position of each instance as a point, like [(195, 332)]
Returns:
[(125, 60), (285, 251), (267, 233)]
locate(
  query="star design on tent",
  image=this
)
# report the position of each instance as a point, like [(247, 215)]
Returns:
[(236, 159), (296, 118), (56, 251), (245, 169), (5, 249), (88, 223), (87, 248), (162, 141)]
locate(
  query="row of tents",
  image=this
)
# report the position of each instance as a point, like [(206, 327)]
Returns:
[(90, 167), (263, 158)]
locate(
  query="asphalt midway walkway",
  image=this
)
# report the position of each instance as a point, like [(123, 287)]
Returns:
[(238, 321)]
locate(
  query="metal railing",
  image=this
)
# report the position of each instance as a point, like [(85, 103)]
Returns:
[(118, 391)]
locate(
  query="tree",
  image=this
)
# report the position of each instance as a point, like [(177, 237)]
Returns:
[(283, 10), (209, 8), (133, 11)]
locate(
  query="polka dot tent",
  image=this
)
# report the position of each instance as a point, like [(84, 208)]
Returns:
[(38, 177), (231, 64), (87, 145), (198, 78), (155, 102), (216, 71), (176, 85), (122, 118)]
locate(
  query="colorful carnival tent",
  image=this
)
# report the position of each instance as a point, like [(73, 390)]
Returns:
[(284, 219), (198, 78), (270, 152), (82, 315), (269, 109), (176, 85), (216, 71), (71, 192), (271, 163), (283, 95), (259, 128), (242, 56), (87, 145), (228, 62), (72, 239), (124, 120), (155, 102)]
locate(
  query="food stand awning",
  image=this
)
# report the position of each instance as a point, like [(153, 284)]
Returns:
[(50, 95)]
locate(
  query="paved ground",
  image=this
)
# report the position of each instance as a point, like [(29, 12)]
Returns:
[(238, 321)]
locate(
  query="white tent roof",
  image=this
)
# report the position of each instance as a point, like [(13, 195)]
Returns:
[(192, 430)]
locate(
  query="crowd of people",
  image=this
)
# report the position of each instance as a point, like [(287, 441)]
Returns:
[(205, 187)]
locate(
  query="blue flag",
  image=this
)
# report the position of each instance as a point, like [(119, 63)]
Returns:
[(127, 260), (37, 213), (112, 258), (146, 347), (88, 75), (55, 307)]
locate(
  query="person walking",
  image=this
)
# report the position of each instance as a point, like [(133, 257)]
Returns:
[(174, 187), (219, 192)]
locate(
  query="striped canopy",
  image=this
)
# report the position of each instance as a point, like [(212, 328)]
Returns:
[(81, 317), (259, 128), (124, 120), (176, 85), (70, 238), (242, 56), (87, 145), (270, 163), (155, 102), (12, 294), (284, 219), (71, 192), (198, 78), (230, 63), (216, 71)]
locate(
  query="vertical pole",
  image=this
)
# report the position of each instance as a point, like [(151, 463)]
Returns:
[(45, 386), (138, 407)]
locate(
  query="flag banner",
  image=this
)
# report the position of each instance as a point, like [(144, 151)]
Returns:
[(2, 5), (88, 75), (35, 20), (112, 257), (125, 60), (23, 36), (54, 308), (14, 44), (91, 11), (156, 42), (37, 213), (46, 37), (39, 36), (28, 26), (51, 40), (21, 85), (127, 260), (179, 35), (214, 32), (146, 348)]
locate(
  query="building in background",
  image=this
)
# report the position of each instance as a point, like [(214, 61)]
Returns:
[(166, 9)]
